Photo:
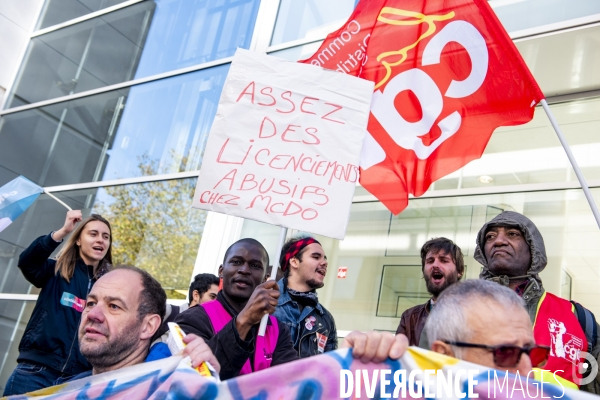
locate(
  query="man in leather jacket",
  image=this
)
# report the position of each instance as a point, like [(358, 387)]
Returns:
[(312, 327), (442, 264)]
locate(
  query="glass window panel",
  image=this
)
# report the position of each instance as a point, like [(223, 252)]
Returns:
[(190, 32), (91, 54), (157, 127), (147, 38), (526, 14), (370, 251), (154, 228), (15, 316), (402, 287), (59, 11), (309, 19), (531, 153), (565, 285)]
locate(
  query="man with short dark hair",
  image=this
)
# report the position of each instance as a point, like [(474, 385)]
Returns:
[(204, 288), (512, 252), (230, 324), (122, 313), (442, 264), (312, 327)]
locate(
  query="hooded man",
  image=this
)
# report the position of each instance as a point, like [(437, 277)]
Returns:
[(512, 252), (442, 264), (312, 327)]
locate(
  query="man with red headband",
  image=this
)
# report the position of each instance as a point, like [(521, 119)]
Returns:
[(312, 327)]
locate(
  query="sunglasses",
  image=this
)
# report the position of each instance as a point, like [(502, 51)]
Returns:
[(507, 356)]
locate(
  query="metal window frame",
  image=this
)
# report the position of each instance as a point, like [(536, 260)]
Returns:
[(263, 30), (85, 17), (117, 86)]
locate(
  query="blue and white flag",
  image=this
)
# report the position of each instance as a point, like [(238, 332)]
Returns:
[(15, 197)]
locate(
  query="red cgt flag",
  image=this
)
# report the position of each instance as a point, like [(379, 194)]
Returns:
[(446, 75)]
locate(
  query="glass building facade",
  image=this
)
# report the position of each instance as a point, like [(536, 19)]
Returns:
[(113, 102)]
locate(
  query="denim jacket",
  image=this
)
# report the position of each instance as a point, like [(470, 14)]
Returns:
[(305, 325)]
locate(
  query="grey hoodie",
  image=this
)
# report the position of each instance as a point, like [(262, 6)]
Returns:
[(534, 289), (532, 236)]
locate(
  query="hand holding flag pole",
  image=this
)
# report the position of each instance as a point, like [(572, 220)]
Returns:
[(16, 196), (282, 234)]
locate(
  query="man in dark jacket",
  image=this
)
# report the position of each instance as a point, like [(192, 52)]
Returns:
[(511, 250), (312, 327), (442, 264), (245, 298)]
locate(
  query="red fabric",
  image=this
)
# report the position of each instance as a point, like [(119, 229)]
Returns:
[(407, 148), (557, 326), (265, 346), (295, 248)]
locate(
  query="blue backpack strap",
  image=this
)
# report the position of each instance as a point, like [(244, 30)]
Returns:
[(587, 320)]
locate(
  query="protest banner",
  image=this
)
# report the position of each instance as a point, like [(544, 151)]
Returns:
[(418, 374), (285, 145), (446, 75)]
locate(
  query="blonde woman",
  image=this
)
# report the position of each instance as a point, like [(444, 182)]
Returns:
[(49, 350)]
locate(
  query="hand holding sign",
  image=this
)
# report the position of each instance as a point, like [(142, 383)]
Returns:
[(262, 302), (285, 145)]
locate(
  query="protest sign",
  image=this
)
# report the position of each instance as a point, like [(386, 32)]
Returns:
[(418, 374), (285, 145)]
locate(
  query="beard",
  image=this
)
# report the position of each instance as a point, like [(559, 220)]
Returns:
[(435, 289), (103, 356), (314, 284)]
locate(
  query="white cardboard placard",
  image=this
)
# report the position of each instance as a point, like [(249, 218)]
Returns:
[(285, 145)]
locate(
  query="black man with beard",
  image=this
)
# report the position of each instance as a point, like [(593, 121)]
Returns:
[(442, 265)]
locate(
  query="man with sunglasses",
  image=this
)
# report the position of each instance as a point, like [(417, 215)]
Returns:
[(486, 324), (511, 250)]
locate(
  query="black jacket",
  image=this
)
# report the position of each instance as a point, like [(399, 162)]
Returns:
[(231, 351), (412, 323), (50, 337)]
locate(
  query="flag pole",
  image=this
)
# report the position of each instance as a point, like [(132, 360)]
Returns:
[(282, 235), (580, 177), (57, 199)]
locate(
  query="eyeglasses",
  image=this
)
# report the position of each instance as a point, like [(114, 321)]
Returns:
[(507, 356)]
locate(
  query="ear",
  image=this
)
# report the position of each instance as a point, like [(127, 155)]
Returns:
[(443, 348), (460, 276), (150, 325), (267, 276), (196, 296), (294, 263), (220, 273)]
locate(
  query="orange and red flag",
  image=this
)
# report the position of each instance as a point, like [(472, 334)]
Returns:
[(446, 75)]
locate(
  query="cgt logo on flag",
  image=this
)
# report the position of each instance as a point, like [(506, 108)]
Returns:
[(446, 75), (342, 271)]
